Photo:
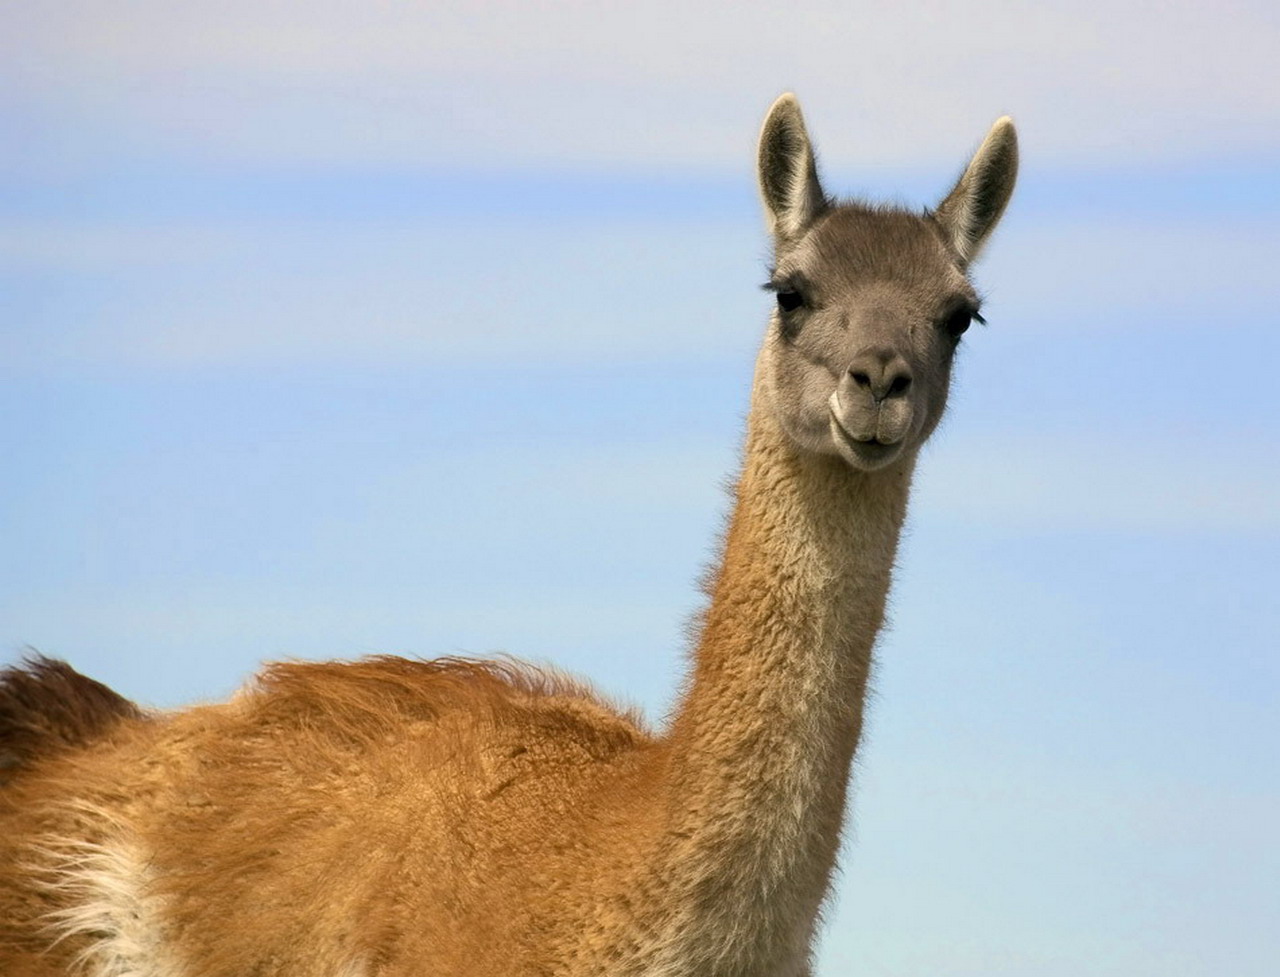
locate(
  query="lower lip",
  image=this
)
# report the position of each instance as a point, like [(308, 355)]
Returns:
[(872, 445)]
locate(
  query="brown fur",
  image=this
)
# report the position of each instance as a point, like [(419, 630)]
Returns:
[(47, 707), (397, 818)]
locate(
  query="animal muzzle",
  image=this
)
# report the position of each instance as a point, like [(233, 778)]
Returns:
[(866, 417)]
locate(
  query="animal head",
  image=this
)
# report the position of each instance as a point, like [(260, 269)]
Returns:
[(871, 301)]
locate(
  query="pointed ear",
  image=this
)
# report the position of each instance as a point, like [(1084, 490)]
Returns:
[(969, 213), (788, 176)]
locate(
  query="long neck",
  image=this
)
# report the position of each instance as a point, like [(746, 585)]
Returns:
[(761, 745)]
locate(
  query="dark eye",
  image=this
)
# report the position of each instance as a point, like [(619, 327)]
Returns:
[(956, 323), (789, 301)]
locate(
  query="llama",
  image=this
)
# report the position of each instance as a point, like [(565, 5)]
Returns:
[(400, 818)]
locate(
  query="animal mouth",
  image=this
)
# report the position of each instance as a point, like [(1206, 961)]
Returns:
[(871, 441), (869, 451)]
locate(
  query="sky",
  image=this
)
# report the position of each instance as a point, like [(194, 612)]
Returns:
[(329, 329)]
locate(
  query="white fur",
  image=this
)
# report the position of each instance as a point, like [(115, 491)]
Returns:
[(102, 887)]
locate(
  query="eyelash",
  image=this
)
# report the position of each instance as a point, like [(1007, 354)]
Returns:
[(789, 300), (958, 322), (788, 296)]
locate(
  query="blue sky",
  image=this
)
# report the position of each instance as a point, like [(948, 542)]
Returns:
[(328, 330)]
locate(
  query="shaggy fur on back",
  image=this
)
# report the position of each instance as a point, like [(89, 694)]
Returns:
[(307, 806), (46, 707)]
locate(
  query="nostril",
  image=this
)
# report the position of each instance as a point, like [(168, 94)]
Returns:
[(860, 378), (900, 384)]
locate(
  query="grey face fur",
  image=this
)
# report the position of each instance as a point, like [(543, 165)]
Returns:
[(871, 301)]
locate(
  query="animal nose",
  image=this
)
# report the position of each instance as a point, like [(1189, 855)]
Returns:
[(882, 372)]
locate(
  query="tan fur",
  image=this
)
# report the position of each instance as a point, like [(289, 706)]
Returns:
[(398, 818)]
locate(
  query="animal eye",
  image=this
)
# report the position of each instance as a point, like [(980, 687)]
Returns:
[(789, 301), (956, 323)]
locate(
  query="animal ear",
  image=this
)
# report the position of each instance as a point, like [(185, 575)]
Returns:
[(788, 176), (970, 211)]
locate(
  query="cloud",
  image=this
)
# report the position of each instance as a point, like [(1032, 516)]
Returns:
[(298, 293), (1114, 273), (184, 294), (1134, 483), (658, 84)]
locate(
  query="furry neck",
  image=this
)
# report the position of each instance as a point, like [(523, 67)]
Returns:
[(763, 739)]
